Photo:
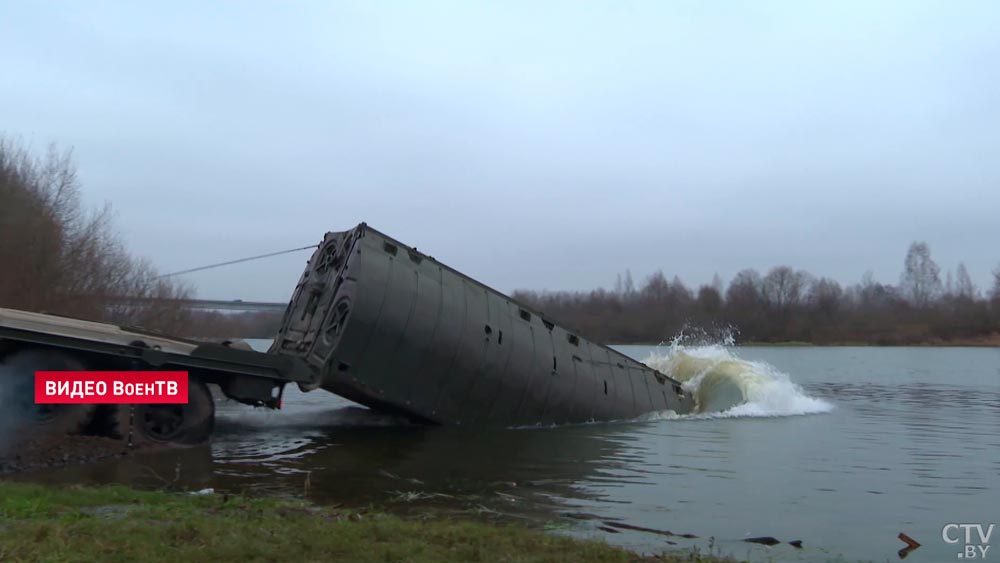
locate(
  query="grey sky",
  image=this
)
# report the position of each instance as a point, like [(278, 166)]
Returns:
[(537, 144)]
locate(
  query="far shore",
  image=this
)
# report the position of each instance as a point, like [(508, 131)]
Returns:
[(991, 341), (987, 341)]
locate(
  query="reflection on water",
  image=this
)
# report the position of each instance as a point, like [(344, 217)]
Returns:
[(910, 444)]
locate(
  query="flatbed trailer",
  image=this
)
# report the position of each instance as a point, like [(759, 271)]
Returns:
[(31, 342), (372, 320)]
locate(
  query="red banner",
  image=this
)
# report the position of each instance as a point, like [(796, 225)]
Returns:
[(111, 387)]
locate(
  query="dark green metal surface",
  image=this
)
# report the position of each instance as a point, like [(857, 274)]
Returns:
[(389, 327)]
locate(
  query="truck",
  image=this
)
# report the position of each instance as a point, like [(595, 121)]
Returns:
[(372, 320)]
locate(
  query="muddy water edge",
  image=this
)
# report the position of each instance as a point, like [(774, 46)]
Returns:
[(840, 448)]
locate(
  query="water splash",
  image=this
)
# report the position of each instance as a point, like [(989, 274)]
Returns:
[(725, 385)]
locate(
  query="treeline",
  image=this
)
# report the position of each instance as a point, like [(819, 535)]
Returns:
[(58, 256), (213, 325), (787, 305)]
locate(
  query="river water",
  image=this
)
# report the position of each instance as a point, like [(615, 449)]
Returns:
[(841, 448)]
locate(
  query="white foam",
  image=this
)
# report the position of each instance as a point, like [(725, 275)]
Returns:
[(726, 386)]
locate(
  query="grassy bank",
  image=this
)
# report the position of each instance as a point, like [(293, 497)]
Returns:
[(110, 524)]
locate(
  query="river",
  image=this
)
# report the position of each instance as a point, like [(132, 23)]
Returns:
[(842, 448)]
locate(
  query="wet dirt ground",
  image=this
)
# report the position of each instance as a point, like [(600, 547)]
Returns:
[(35, 452)]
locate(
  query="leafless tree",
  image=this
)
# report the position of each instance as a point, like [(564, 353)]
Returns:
[(709, 300), (872, 294), (782, 287), (656, 288), (745, 289), (921, 278), (995, 292), (717, 284), (825, 295), (628, 291), (816, 311), (964, 288), (59, 256)]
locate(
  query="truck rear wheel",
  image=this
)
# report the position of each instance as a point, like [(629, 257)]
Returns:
[(17, 394), (158, 425)]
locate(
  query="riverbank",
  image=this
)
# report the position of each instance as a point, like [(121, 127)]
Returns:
[(39, 452), (76, 524), (985, 341)]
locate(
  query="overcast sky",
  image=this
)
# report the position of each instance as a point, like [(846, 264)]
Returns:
[(546, 145)]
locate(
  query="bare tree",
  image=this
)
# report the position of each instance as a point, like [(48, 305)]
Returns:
[(872, 294), (825, 295), (629, 289), (921, 278), (782, 287), (818, 311), (657, 287), (964, 288), (60, 257), (709, 300), (717, 284), (995, 292), (745, 289), (680, 295)]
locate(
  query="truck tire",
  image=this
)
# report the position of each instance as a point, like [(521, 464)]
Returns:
[(17, 394), (163, 425)]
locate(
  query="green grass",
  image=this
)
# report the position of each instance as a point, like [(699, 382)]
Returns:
[(111, 524)]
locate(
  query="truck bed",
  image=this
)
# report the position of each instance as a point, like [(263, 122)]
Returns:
[(107, 346)]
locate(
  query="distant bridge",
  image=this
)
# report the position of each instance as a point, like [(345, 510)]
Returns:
[(209, 304)]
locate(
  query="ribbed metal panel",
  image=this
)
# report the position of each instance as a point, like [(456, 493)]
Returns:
[(392, 328)]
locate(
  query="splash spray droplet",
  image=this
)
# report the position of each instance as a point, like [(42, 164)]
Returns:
[(725, 385)]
